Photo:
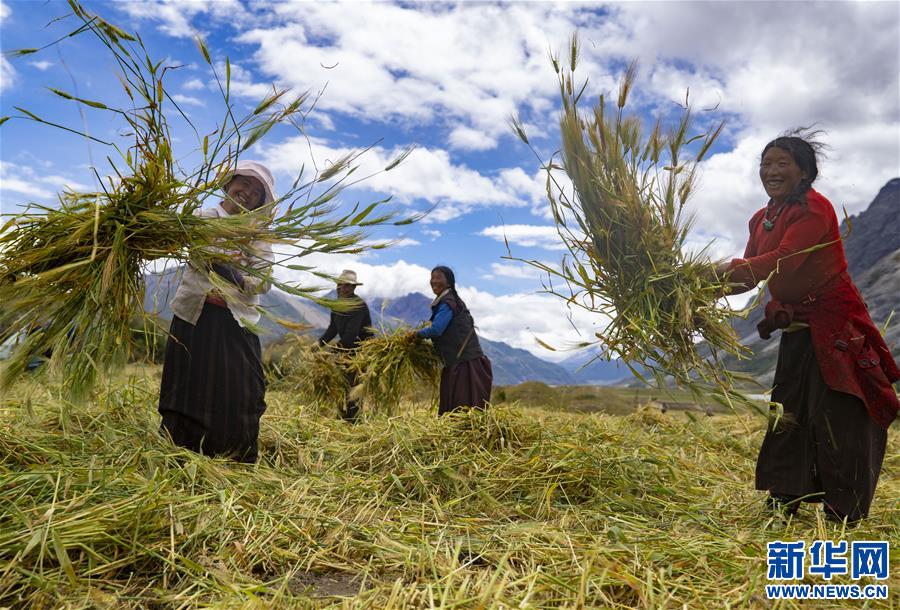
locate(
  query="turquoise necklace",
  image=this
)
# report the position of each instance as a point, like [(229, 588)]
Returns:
[(769, 223)]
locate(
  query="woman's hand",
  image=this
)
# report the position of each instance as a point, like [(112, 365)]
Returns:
[(722, 269), (717, 273), (229, 273)]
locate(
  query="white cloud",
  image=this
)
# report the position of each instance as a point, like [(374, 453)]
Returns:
[(7, 74), (4, 10), (403, 242), (18, 185), (427, 174), (41, 65), (527, 236), (187, 99), (679, 85), (33, 184), (195, 84), (469, 65), (541, 316), (242, 82), (432, 233), (466, 138), (176, 16), (463, 68), (515, 271)]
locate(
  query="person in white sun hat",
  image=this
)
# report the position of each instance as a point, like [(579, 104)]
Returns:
[(353, 326), (212, 393)]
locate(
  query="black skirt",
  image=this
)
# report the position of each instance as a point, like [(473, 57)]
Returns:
[(213, 388), (466, 384), (826, 448)]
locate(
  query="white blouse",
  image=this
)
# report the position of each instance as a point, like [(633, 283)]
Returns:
[(191, 294)]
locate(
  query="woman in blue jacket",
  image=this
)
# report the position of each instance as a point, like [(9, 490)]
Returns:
[(466, 377)]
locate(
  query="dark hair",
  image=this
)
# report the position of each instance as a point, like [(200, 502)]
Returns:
[(805, 149), (448, 274), (451, 282)]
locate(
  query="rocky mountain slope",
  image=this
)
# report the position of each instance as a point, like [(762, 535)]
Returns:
[(511, 365)]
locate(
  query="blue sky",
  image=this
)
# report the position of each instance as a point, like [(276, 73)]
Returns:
[(445, 77)]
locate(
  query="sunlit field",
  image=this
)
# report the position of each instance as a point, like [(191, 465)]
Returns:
[(516, 507)]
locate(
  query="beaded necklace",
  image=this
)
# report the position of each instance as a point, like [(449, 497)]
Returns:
[(769, 223)]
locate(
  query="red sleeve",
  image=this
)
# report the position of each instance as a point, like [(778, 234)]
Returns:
[(804, 233)]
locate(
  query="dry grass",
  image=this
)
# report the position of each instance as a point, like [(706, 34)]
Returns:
[(388, 369), (392, 366), (72, 274), (312, 374), (506, 508), (625, 228)]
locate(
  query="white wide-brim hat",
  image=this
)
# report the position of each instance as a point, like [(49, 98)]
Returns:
[(348, 277), (255, 169)]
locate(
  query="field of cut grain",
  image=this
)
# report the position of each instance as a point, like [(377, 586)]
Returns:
[(515, 507)]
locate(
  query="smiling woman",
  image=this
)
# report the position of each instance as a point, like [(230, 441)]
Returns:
[(467, 377), (212, 393), (75, 269), (834, 371)]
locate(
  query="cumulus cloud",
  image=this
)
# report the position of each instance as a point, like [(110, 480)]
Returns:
[(41, 65), (463, 68), (466, 138), (176, 18), (528, 236), (427, 174), (21, 180), (471, 65), (187, 99)]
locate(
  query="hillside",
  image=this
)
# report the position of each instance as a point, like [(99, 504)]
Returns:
[(161, 289), (511, 365)]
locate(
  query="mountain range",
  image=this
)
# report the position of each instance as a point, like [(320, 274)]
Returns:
[(511, 365)]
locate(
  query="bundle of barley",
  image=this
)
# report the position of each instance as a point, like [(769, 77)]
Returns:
[(625, 229), (315, 375), (71, 276), (392, 365)]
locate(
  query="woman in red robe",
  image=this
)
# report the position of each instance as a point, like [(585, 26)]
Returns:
[(834, 371)]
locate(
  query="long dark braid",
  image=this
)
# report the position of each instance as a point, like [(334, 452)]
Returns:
[(805, 149)]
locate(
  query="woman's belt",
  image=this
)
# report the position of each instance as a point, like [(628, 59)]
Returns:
[(780, 315), (214, 299)]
